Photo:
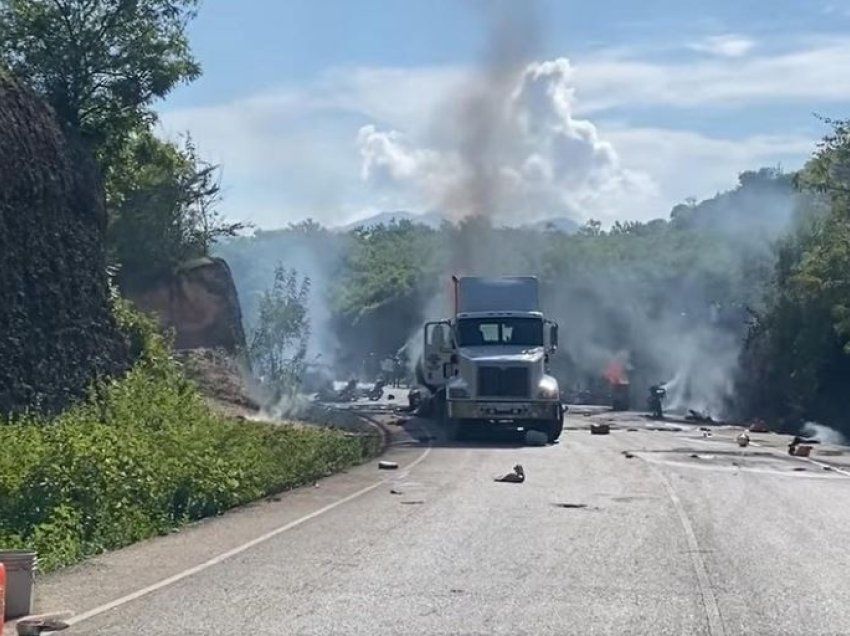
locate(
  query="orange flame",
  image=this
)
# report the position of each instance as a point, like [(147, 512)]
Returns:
[(615, 373)]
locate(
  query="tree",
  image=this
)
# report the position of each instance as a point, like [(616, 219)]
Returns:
[(99, 63), (278, 343), (164, 201), (591, 228), (200, 196), (799, 346)]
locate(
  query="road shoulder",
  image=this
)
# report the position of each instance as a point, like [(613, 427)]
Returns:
[(101, 580)]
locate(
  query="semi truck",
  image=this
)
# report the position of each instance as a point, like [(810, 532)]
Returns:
[(488, 365)]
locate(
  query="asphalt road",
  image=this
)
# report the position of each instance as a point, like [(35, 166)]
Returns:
[(689, 535)]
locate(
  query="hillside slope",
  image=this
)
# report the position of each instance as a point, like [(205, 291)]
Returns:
[(58, 331)]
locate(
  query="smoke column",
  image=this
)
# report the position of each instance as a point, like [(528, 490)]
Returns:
[(478, 123)]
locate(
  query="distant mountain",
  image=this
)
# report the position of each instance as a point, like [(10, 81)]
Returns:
[(559, 224), (435, 219), (430, 219)]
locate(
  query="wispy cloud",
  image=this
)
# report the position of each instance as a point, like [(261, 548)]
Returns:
[(808, 73), (729, 45), (295, 152)]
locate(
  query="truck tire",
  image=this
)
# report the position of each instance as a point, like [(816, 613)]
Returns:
[(554, 429), (452, 427)]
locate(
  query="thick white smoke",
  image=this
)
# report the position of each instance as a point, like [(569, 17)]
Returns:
[(538, 161), (823, 434)]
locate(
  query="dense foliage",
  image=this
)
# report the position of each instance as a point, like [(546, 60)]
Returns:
[(798, 354), (163, 199), (101, 65), (379, 282), (740, 300), (278, 344), (57, 331), (142, 456)]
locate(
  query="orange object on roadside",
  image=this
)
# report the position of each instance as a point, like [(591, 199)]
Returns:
[(2, 596)]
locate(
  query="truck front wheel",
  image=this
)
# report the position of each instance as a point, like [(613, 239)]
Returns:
[(553, 428)]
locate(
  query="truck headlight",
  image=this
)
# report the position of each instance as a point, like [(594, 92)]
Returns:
[(547, 389)]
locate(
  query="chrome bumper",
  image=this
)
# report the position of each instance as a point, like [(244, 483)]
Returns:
[(474, 410)]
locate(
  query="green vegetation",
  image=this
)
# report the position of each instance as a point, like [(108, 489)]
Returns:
[(798, 354), (163, 200), (101, 65), (747, 290), (142, 456), (278, 344)]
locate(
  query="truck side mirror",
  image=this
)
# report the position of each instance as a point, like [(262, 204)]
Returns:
[(553, 336)]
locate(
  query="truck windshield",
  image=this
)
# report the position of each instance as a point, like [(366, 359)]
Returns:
[(527, 332)]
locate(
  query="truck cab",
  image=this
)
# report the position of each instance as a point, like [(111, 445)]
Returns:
[(489, 363)]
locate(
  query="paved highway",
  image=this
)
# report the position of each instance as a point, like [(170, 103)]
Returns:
[(685, 534)]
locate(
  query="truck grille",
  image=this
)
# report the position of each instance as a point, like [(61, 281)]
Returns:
[(503, 382)]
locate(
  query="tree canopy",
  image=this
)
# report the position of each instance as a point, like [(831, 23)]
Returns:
[(102, 65), (99, 63)]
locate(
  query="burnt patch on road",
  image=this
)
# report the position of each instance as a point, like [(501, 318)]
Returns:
[(632, 498)]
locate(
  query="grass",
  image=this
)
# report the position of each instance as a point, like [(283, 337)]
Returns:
[(144, 455)]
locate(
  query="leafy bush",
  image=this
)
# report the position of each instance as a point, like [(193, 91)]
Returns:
[(142, 456), (278, 344)]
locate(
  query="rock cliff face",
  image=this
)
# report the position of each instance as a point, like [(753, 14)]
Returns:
[(57, 332), (199, 302)]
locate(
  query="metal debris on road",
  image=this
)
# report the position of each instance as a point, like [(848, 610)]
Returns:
[(37, 625), (600, 429), (743, 439), (570, 505), (803, 450), (385, 465), (759, 426), (628, 455), (393, 491), (515, 477), (799, 469), (697, 416)]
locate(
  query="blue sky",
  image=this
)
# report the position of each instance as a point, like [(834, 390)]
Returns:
[(337, 109)]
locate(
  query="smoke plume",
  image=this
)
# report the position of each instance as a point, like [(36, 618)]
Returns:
[(823, 434), (505, 144)]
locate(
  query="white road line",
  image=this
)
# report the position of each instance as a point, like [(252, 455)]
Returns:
[(827, 466), (823, 465), (231, 553), (712, 611)]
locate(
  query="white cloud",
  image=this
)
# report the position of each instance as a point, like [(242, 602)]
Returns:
[(810, 73), (728, 45), (534, 158), (303, 150), (688, 164)]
